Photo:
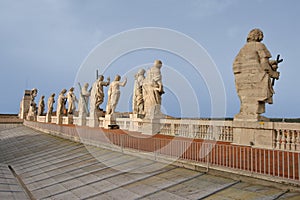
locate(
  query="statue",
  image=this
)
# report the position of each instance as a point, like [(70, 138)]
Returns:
[(97, 94), (83, 100), (50, 103), (41, 106), (153, 90), (114, 94), (32, 109), (253, 72), (61, 101), (137, 99), (71, 101)]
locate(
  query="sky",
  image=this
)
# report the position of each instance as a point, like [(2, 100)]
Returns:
[(46, 44)]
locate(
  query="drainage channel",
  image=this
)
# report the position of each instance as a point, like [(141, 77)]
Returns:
[(27, 191)]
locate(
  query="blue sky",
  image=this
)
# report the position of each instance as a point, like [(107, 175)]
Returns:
[(44, 43)]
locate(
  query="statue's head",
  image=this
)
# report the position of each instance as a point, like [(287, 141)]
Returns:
[(43, 97), (141, 72), (34, 92), (72, 89), (53, 95), (101, 77), (63, 91), (157, 63), (117, 78), (255, 35), (86, 85)]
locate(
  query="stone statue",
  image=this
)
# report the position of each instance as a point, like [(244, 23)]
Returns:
[(50, 103), (114, 94), (97, 94), (41, 106), (253, 72), (61, 101), (153, 90), (137, 99), (83, 100), (33, 108), (71, 98)]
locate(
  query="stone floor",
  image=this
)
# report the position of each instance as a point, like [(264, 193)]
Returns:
[(35, 165)]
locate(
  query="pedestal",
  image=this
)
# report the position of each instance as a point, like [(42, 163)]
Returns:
[(93, 120), (134, 122), (81, 121), (109, 121), (59, 119), (151, 126), (256, 134), (48, 118), (68, 119)]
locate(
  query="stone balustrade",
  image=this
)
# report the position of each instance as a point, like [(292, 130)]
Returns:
[(270, 135)]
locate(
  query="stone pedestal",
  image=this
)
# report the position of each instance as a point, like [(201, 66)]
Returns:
[(135, 119), (109, 120), (256, 134), (25, 104), (151, 126), (48, 118), (31, 118), (68, 119), (93, 120), (81, 121), (59, 119)]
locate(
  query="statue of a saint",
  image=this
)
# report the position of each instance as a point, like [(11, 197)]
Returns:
[(97, 94), (50, 103), (137, 99), (71, 101), (61, 101), (33, 108), (253, 72), (83, 100), (153, 90), (114, 94), (41, 106)]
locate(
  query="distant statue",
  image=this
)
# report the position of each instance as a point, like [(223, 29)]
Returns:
[(61, 102), (41, 106), (137, 99), (153, 90), (114, 94), (71, 98), (97, 94), (83, 100), (33, 108), (50, 104), (254, 74)]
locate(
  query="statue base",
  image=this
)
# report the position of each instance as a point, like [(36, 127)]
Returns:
[(31, 118), (48, 118), (110, 121), (59, 119), (151, 126), (250, 118), (68, 119), (135, 122), (81, 121), (93, 120), (256, 134)]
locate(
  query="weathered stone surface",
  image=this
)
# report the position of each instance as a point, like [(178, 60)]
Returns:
[(137, 99), (25, 104), (254, 73), (114, 94)]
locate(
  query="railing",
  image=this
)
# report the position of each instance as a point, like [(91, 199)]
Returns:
[(286, 136), (279, 165)]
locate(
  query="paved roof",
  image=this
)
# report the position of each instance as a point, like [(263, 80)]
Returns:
[(35, 165)]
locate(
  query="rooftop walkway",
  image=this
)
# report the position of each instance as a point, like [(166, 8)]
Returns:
[(35, 165)]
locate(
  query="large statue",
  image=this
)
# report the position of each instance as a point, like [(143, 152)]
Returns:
[(254, 73), (97, 94), (137, 99), (33, 108), (71, 101), (114, 94), (61, 101), (50, 103), (41, 106), (83, 100), (153, 90)]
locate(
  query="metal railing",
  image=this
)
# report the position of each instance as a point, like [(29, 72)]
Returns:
[(273, 163)]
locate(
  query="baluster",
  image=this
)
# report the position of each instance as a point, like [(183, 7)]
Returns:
[(278, 139), (288, 140), (293, 145)]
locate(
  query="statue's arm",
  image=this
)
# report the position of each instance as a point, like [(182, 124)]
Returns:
[(123, 83)]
